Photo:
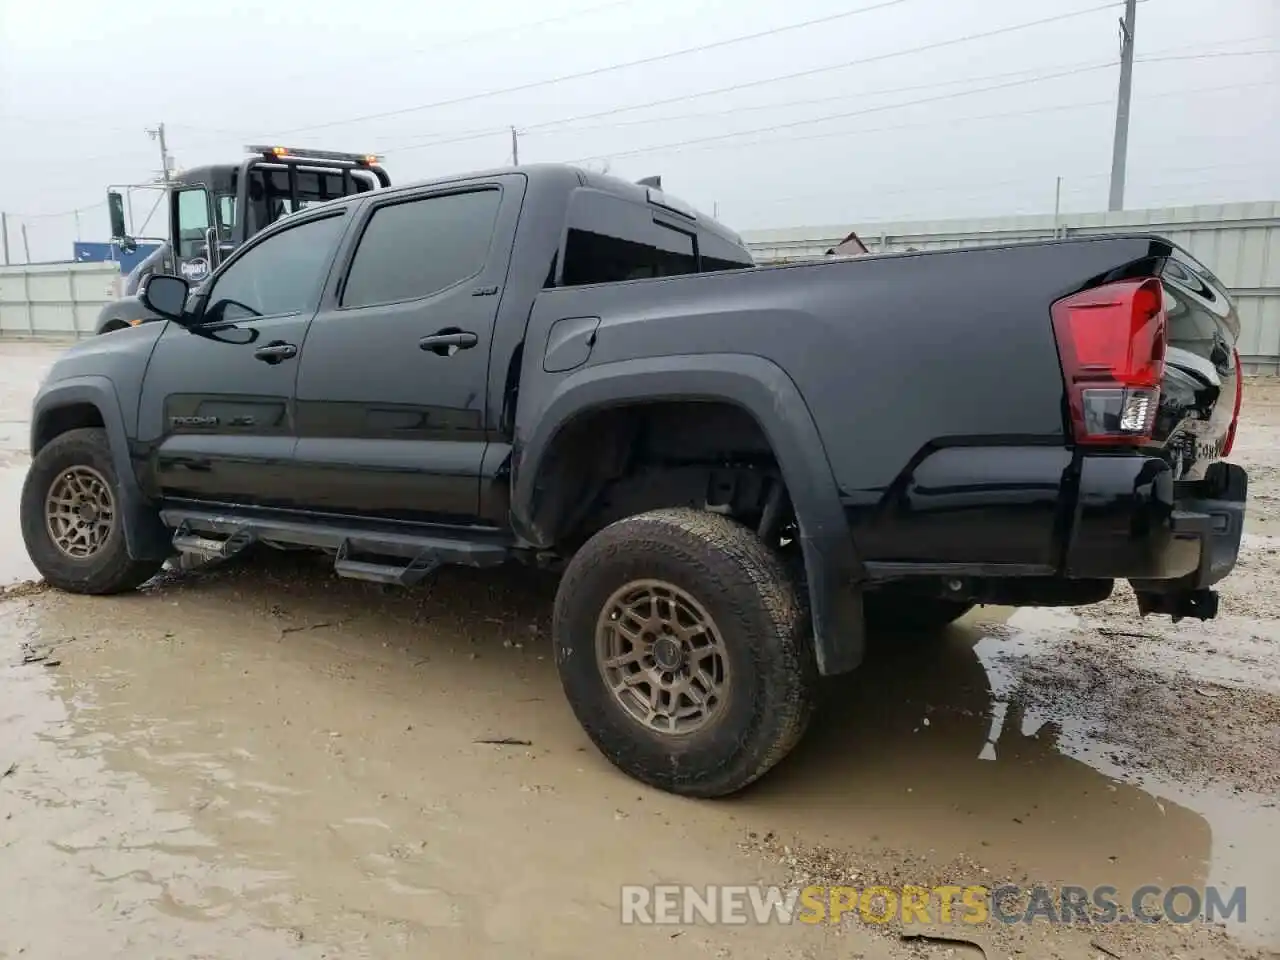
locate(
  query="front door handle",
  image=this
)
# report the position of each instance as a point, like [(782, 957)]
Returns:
[(275, 351), (449, 341)]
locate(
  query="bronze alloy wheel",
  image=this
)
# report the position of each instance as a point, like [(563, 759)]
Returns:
[(682, 646), (662, 656), (79, 512)]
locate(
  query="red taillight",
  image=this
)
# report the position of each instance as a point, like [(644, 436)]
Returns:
[(1111, 341), (1235, 413)]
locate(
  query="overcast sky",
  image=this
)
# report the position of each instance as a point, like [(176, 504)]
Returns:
[(876, 129)]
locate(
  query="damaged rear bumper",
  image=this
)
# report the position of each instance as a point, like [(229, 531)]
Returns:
[(1173, 540)]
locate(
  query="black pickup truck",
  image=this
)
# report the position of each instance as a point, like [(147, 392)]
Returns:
[(739, 469)]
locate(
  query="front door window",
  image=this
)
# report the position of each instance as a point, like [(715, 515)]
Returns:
[(278, 276)]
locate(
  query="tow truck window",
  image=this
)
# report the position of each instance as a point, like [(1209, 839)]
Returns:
[(612, 239), (193, 220), (226, 216), (272, 196)]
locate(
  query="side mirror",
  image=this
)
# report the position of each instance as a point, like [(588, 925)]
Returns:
[(166, 296), (115, 204)]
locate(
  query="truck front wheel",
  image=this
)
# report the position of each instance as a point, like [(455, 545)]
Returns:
[(71, 519), (684, 651)]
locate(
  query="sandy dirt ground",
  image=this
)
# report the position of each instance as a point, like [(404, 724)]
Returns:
[(266, 761)]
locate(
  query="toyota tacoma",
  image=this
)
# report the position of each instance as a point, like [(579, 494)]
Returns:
[(739, 470)]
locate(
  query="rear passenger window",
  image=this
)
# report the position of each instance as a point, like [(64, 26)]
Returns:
[(611, 239), (414, 249)]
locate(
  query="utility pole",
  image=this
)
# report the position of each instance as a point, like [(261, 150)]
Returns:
[(515, 148), (26, 248), (1057, 206), (77, 213), (4, 235), (158, 134), (1120, 148)]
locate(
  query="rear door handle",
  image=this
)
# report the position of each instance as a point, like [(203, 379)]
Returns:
[(275, 351), (448, 342)]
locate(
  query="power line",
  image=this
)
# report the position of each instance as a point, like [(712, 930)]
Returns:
[(468, 39), (813, 71), (1210, 56), (464, 136), (62, 213), (934, 124), (834, 116), (749, 84), (482, 133), (597, 71), (861, 94)]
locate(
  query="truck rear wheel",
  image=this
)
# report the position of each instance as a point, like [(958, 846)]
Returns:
[(684, 652), (71, 519)]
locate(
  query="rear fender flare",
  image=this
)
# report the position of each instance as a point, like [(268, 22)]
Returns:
[(764, 390), (145, 536)]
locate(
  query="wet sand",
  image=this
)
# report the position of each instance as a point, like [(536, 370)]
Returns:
[(263, 760)]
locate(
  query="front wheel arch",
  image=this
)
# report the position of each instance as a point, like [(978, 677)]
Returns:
[(77, 402), (83, 547)]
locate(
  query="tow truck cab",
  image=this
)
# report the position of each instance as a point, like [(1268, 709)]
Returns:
[(211, 210)]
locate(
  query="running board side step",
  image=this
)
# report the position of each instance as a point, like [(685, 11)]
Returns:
[(185, 540), (378, 552), (401, 575)]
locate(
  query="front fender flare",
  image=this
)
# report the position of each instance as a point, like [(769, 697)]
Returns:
[(145, 536), (764, 390)]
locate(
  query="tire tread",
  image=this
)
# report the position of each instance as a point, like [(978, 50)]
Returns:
[(716, 549)]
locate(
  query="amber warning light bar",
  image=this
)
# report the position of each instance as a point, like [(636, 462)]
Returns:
[(305, 153)]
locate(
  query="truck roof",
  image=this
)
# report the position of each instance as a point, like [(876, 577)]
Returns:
[(566, 177)]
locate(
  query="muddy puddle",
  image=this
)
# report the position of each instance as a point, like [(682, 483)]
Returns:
[(272, 755), (265, 761)]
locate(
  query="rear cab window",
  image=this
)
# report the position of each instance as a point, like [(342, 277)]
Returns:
[(612, 239)]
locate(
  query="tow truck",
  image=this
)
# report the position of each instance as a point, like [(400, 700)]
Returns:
[(211, 210)]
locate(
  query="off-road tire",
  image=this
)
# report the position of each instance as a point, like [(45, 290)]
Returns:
[(110, 569), (748, 593), (890, 611)]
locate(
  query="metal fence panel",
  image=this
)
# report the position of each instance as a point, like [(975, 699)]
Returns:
[(55, 299)]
